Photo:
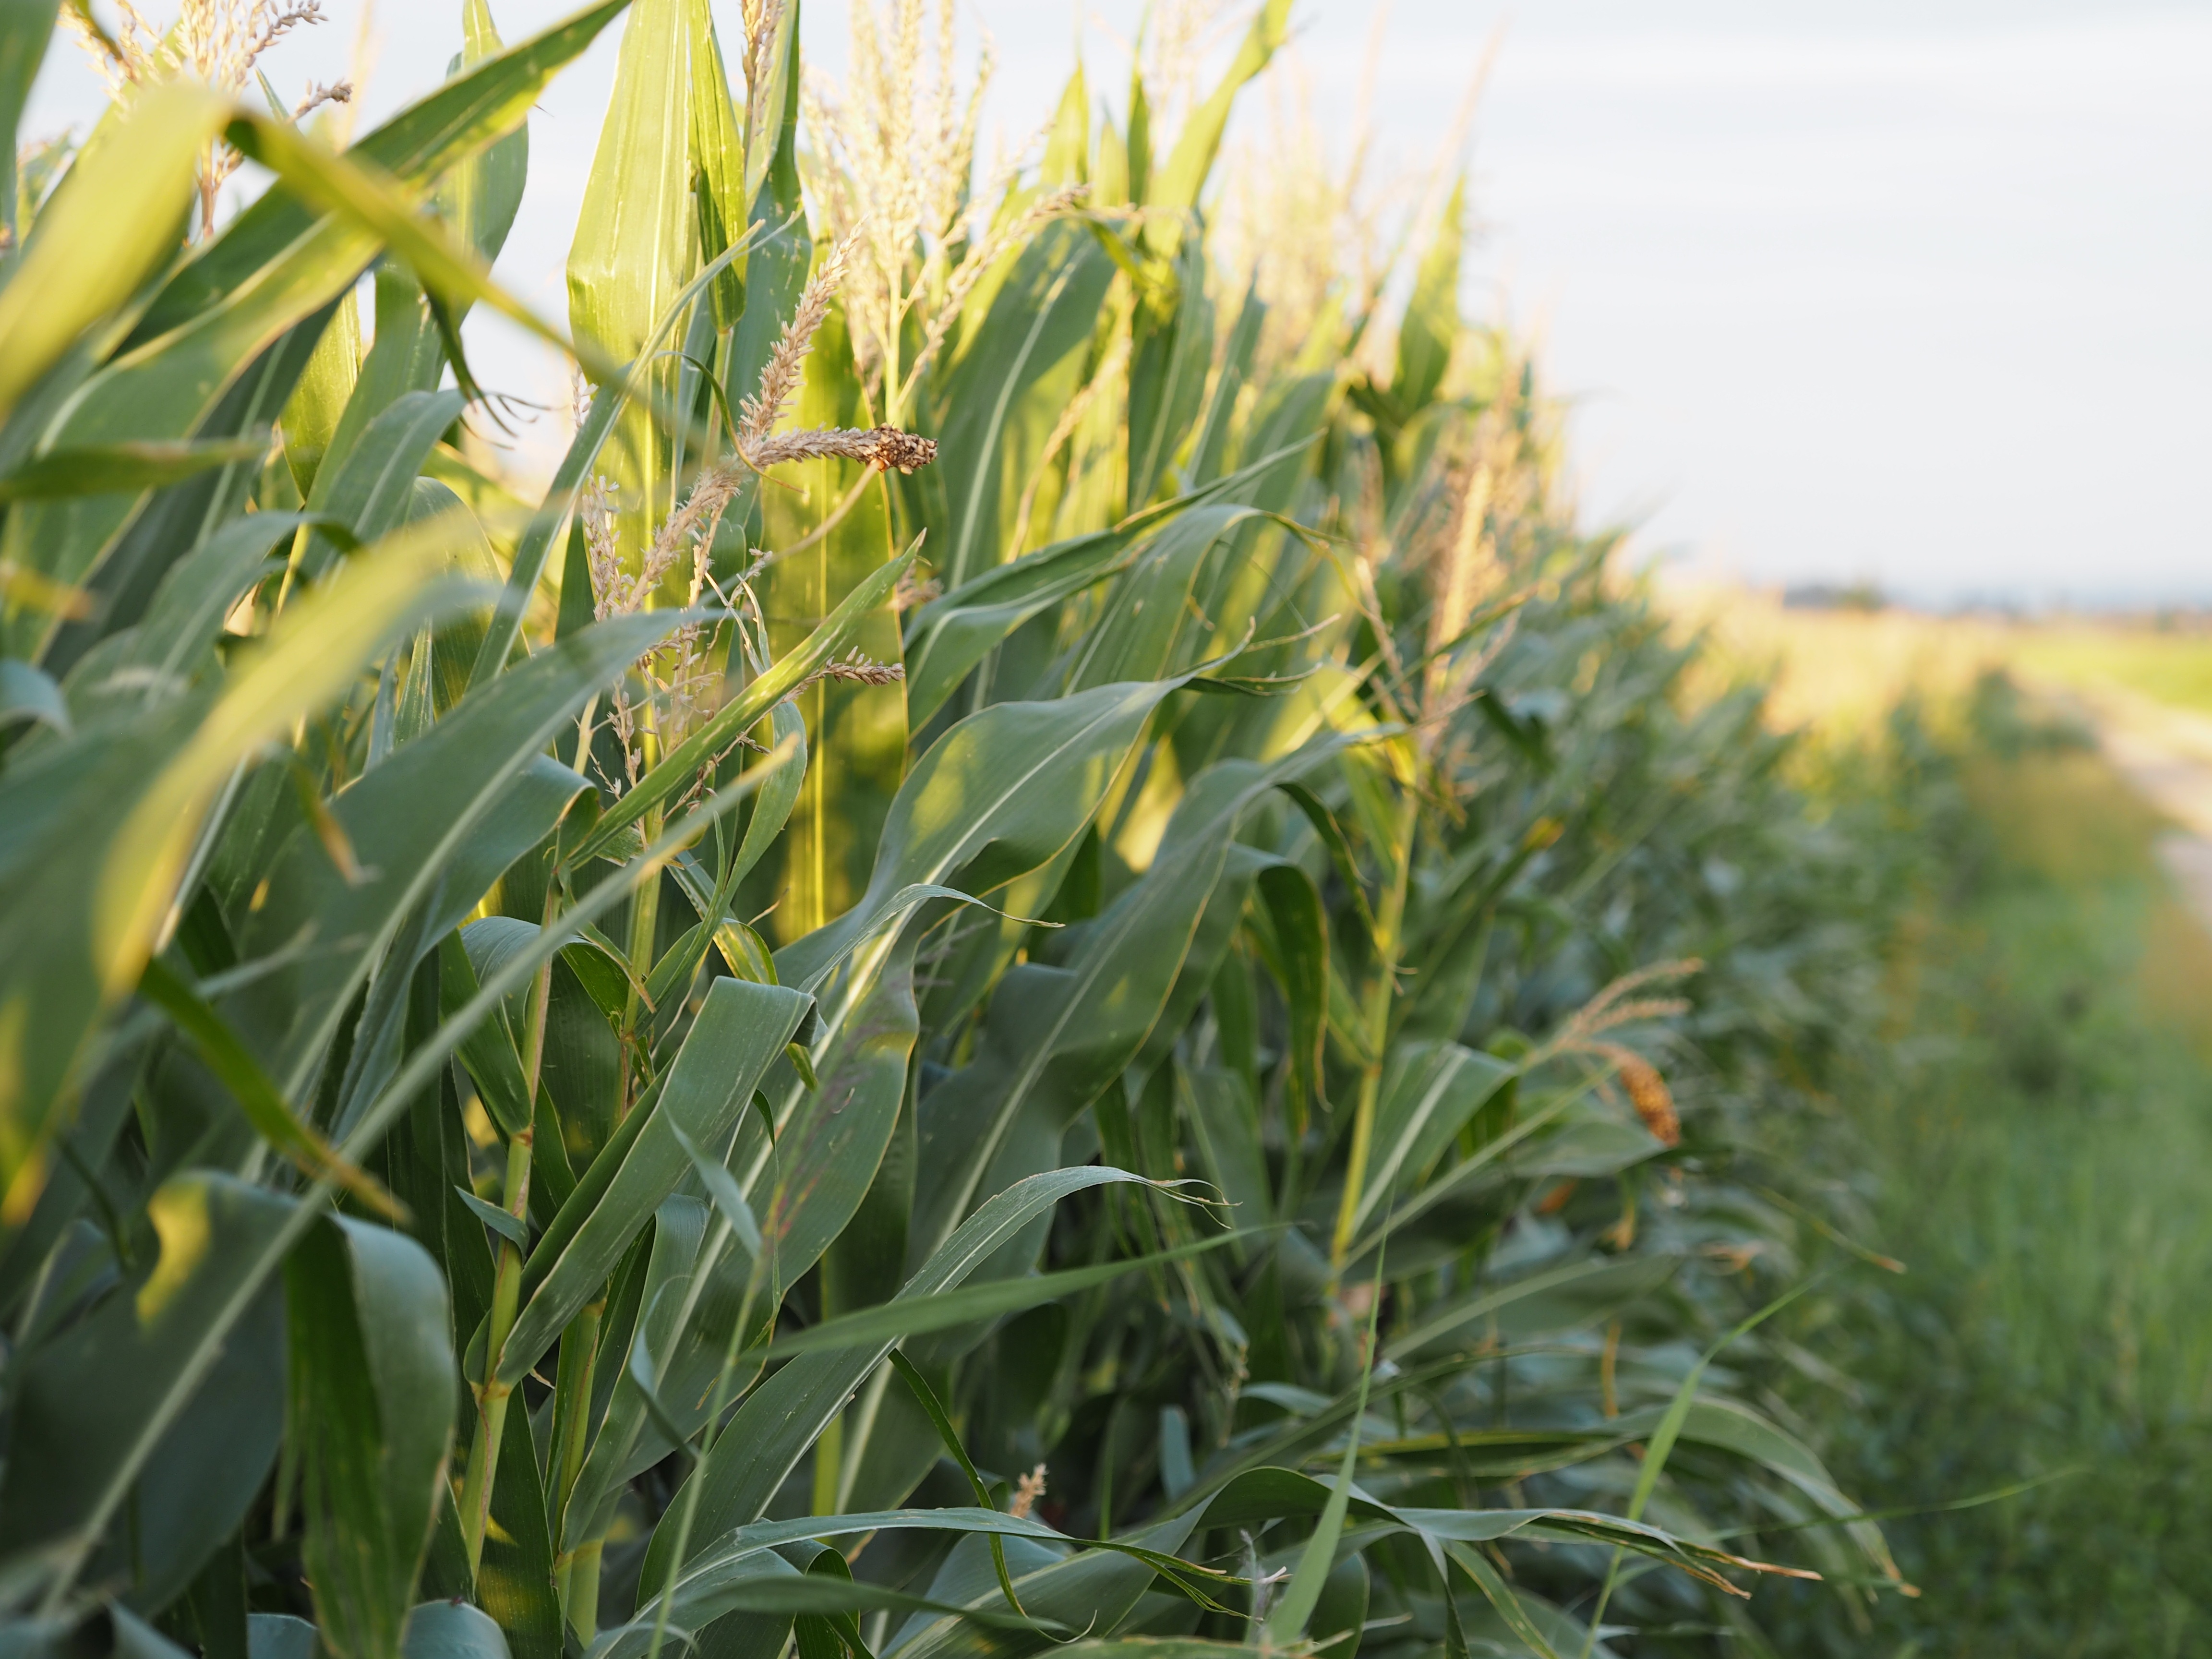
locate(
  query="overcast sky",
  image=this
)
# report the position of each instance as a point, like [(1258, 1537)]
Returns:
[(1913, 292)]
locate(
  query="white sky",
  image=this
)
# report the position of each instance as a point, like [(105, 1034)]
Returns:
[(1915, 292)]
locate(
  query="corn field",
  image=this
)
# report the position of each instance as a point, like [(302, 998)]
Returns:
[(1043, 961)]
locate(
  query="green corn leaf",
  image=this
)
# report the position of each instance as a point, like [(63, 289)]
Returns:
[(1059, 1035), (229, 1240), (718, 162), (722, 1187), (124, 466), (636, 241), (276, 265), (93, 1408), (1046, 311), (29, 694), (317, 404), (1183, 177), (480, 197), (372, 1413), (24, 29), (370, 488), (555, 514), (471, 111), (424, 817), (514, 1582), (742, 1028), (1431, 325), (1576, 1294), (449, 1630), (950, 636), (98, 832), (1430, 1090), (773, 1430), (1173, 349), (114, 222), (173, 642), (509, 1226), (1288, 1619), (1210, 449), (913, 1316), (1296, 949), (407, 357), (257, 1096), (679, 768), (354, 191), (665, 1306)]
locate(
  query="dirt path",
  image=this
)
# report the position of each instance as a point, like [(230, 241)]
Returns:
[(2166, 753)]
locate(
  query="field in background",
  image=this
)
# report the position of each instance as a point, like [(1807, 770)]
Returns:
[(1839, 669), (2033, 1135)]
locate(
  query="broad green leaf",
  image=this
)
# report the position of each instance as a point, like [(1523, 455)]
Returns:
[(1225, 1121), (718, 162), (1295, 944), (1183, 177), (1173, 334), (831, 1137), (371, 1417), (415, 822), (114, 222), (950, 636), (220, 1049), (677, 1283), (319, 402), (451, 1629), (173, 643), (464, 115), (555, 514), (406, 356), (25, 27), (780, 1419), (912, 1316), (1068, 148), (133, 466), (28, 694), (276, 265), (1046, 311), (997, 796), (710, 1585), (370, 488), (680, 768), (742, 1028), (94, 835), (1210, 449), (1059, 1035), (1430, 326), (514, 1582), (857, 733), (1287, 1621), (480, 197), (1429, 1093), (637, 239), (1150, 626), (364, 198), (94, 1408), (173, 521), (1551, 1300)]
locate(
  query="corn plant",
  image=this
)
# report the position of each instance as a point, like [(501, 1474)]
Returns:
[(1005, 977)]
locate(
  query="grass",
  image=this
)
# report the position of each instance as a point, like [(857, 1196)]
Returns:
[(2034, 1139), (2171, 665)]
